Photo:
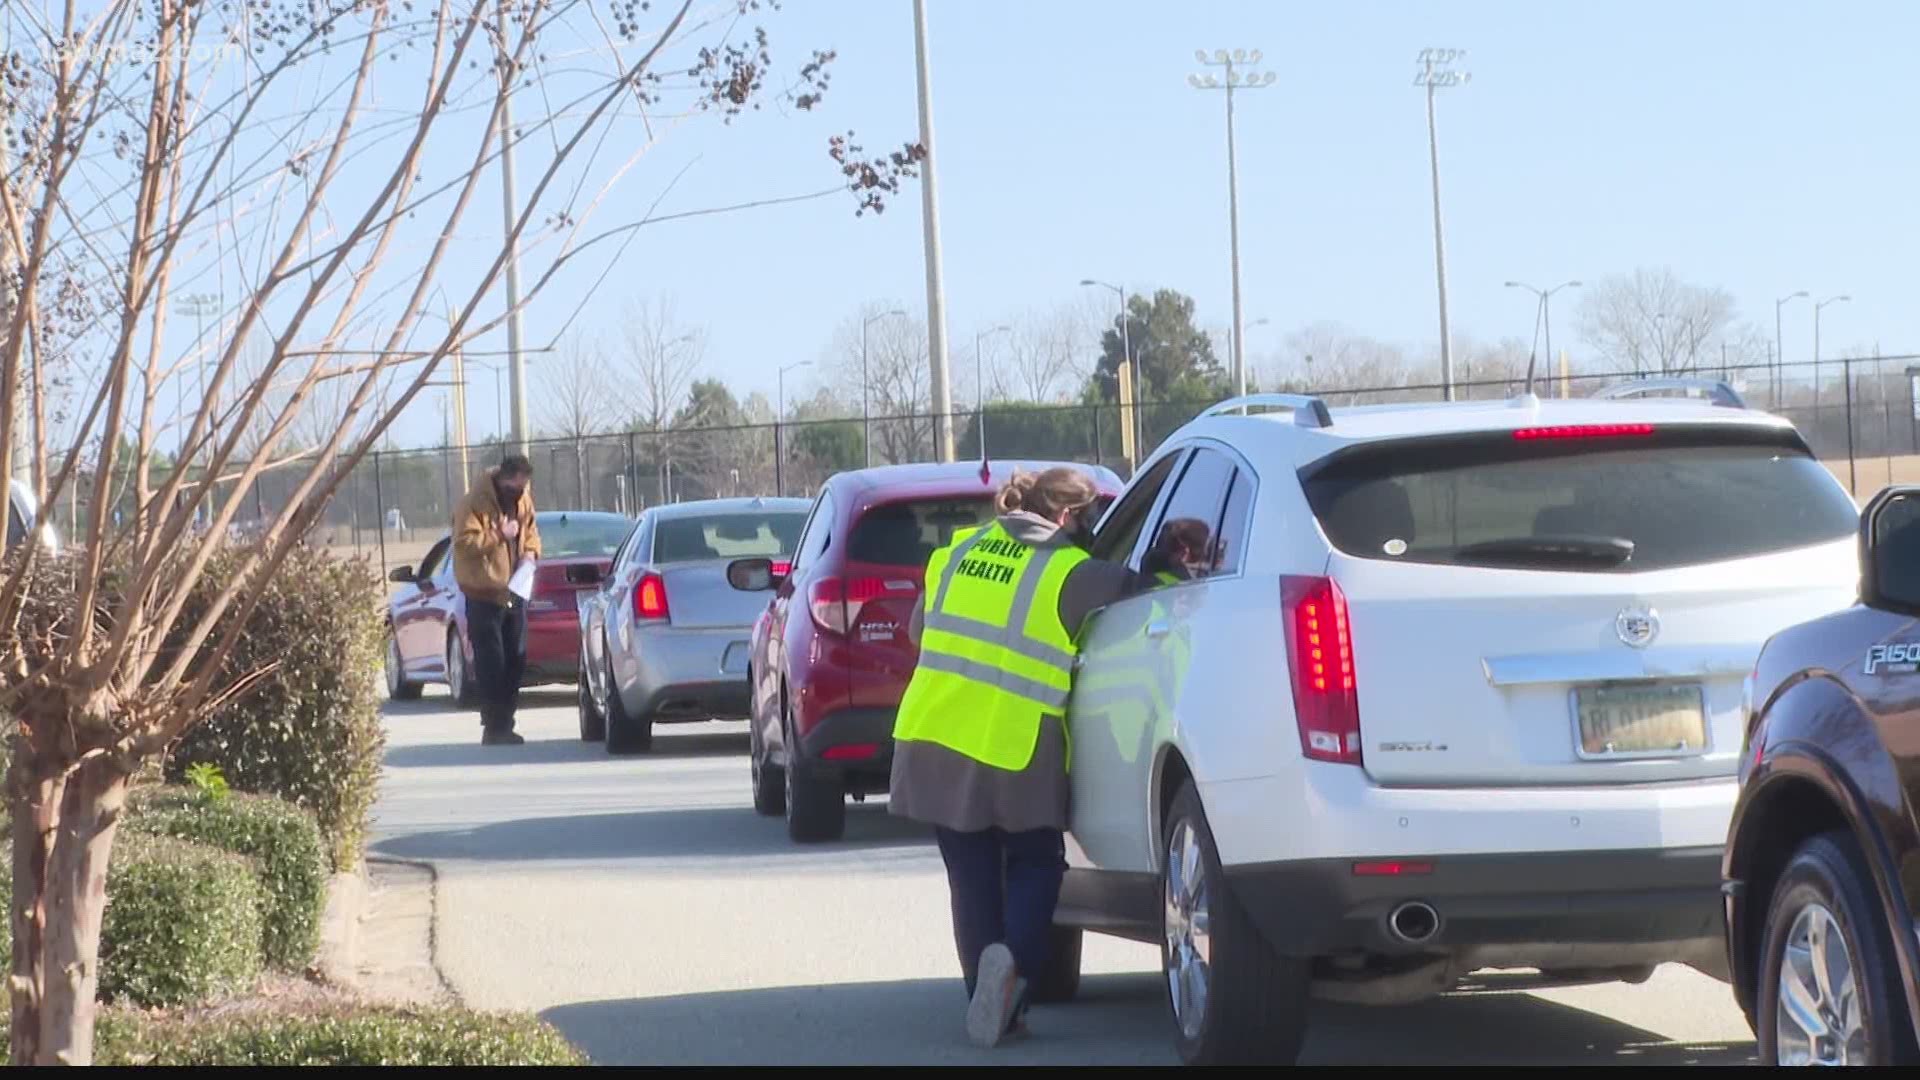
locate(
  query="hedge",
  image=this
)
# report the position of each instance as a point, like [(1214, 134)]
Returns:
[(182, 922), (352, 1035), (334, 1034), (282, 840), (310, 732)]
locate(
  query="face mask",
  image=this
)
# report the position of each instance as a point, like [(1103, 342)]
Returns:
[(1079, 531), (509, 495)]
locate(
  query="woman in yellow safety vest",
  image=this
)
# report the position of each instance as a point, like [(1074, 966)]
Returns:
[(980, 742)]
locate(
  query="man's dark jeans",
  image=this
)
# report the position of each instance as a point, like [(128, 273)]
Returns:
[(499, 636), (1005, 887)]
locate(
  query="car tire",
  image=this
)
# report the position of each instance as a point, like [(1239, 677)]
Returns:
[(1826, 898), (460, 685), (399, 687), (1244, 1003), (626, 733), (816, 810), (1061, 983), (769, 783), (593, 722)]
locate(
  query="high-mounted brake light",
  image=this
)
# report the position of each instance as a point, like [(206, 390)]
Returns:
[(650, 598), (1326, 698), (1583, 431)]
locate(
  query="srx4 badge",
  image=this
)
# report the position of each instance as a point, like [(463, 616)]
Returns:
[(1898, 658)]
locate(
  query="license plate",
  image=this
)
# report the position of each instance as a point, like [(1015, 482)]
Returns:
[(1645, 720)]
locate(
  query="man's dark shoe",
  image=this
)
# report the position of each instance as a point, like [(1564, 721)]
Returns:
[(495, 737)]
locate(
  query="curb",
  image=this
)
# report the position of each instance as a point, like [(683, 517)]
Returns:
[(433, 921), (339, 955)]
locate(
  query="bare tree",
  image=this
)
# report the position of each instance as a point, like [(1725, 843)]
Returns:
[(580, 398), (895, 384), (1039, 356), (327, 202), (1651, 322), (662, 357), (1325, 357)]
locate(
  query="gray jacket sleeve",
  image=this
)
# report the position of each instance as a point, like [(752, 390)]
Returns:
[(1092, 585)]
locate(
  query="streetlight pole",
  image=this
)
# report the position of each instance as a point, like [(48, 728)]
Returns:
[(779, 422), (1816, 356), (866, 418), (1545, 300), (930, 222), (980, 383), (1433, 75), (1126, 357), (1778, 382), (1234, 80)]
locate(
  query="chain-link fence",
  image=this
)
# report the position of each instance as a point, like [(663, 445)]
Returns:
[(1860, 415)]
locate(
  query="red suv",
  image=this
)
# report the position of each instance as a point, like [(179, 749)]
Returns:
[(832, 655)]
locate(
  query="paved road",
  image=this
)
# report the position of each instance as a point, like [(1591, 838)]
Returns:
[(642, 907)]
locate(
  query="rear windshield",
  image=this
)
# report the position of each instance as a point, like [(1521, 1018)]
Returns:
[(761, 535), (571, 536), (908, 533), (1614, 506)]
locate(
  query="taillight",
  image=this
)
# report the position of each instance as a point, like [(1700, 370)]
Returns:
[(650, 598), (837, 602), (1584, 431), (1326, 698)]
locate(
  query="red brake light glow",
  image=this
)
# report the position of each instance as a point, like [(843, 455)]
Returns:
[(781, 568), (1390, 868), (650, 598), (1583, 431), (1326, 700)]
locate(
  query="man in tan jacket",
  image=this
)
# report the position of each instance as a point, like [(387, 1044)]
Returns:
[(493, 534)]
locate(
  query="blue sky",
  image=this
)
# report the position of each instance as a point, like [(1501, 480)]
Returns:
[(1759, 147)]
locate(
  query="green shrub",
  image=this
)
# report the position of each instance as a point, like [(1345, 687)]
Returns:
[(309, 732), (182, 922), (342, 1035), (281, 839)]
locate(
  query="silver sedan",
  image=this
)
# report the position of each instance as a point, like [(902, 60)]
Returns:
[(665, 637)]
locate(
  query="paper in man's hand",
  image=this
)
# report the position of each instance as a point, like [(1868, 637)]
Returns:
[(521, 583)]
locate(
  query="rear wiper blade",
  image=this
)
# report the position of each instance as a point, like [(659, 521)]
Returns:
[(1596, 551)]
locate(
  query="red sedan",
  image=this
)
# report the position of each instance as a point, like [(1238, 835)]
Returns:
[(427, 616)]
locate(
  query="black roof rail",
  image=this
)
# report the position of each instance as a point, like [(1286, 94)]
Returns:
[(1308, 410), (1715, 390)]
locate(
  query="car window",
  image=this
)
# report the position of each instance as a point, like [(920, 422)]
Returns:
[(734, 535), (908, 532), (1121, 529), (568, 536), (1185, 539), (816, 535), (1230, 552), (1654, 501), (431, 566)]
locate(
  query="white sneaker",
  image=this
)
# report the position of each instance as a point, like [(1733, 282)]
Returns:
[(995, 991)]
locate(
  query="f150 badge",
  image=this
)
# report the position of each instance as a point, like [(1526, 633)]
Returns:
[(1897, 658)]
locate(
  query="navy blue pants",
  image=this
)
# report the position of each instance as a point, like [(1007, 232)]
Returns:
[(499, 636), (1005, 887)]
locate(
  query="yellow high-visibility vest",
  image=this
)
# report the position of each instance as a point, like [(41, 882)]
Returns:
[(994, 658)]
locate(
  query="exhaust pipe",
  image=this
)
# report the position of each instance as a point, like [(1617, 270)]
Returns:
[(1413, 923)]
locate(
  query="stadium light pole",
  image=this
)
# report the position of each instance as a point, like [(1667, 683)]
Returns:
[(1233, 79), (1435, 74), (930, 223)]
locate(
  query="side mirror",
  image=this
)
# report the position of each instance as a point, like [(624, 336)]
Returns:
[(751, 575), (585, 574), (1890, 550), (402, 575)]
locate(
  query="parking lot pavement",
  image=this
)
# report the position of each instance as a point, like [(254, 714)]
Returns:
[(642, 907)]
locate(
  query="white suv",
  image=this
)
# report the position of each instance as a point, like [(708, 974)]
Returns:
[(1449, 687)]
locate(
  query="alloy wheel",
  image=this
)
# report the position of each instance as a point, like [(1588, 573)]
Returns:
[(1189, 960), (1818, 1020)]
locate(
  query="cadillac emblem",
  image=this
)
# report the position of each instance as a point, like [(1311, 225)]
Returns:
[(1637, 626)]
